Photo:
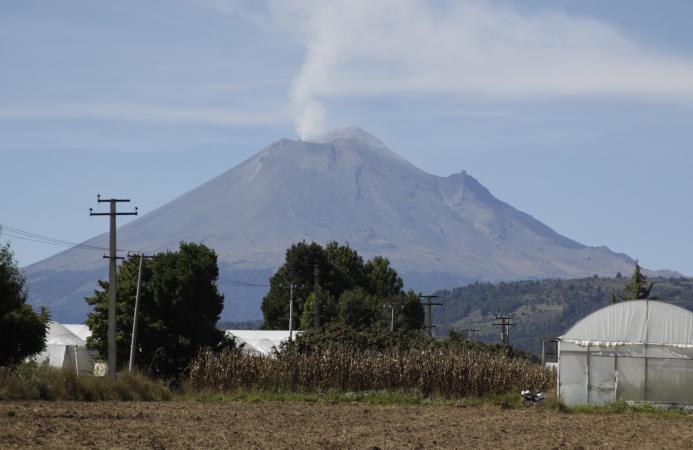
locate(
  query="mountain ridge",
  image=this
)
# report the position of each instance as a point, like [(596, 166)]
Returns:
[(348, 186)]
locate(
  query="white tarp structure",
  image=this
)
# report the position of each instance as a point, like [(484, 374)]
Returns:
[(66, 348), (639, 350), (81, 330), (260, 342)]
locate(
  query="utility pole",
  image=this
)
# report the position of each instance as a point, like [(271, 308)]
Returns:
[(112, 277), (316, 291), (429, 317), (133, 337), (392, 315), (291, 312), (505, 324), (543, 352)]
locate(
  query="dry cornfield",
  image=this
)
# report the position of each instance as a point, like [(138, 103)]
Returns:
[(440, 372)]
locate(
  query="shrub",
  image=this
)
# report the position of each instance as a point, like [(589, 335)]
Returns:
[(31, 381)]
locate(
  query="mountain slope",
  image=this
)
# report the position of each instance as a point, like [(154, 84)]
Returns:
[(347, 186)]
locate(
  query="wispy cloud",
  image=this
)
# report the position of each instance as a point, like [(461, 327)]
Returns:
[(474, 49), (137, 112)]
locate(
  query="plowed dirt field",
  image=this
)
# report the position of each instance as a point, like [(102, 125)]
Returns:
[(298, 425)]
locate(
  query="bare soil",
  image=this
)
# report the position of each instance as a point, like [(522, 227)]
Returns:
[(298, 425)]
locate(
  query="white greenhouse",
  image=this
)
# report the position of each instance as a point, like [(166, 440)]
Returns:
[(66, 348), (639, 351), (260, 342)]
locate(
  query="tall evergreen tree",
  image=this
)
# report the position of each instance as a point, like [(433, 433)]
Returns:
[(637, 288)]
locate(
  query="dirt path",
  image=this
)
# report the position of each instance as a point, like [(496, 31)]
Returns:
[(303, 425)]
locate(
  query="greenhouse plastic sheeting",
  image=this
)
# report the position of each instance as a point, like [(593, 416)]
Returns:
[(632, 351), (260, 342), (65, 349), (634, 322)]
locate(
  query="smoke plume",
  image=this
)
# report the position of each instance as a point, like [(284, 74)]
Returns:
[(472, 49)]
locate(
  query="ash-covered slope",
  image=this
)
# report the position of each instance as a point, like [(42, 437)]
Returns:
[(348, 186)]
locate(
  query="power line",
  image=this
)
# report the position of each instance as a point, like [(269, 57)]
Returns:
[(43, 239), (20, 234)]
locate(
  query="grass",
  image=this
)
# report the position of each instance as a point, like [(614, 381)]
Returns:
[(366, 398), (30, 381), (622, 407)]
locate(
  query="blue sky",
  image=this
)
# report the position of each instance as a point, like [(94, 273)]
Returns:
[(578, 113)]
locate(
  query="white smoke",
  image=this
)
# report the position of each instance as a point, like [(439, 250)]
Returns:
[(311, 119), (473, 49)]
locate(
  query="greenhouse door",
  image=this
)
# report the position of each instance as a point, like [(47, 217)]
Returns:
[(601, 381)]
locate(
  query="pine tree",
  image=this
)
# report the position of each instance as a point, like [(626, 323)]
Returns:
[(637, 288)]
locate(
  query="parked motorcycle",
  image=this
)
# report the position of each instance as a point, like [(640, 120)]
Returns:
[(531, 398)]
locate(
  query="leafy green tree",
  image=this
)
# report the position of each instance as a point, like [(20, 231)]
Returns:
[(22, 330), (351, 292), (412, 313), (298, 269), (179, 308), (383, 279), (359, 310), (637, 288), (328, 307), (348, 267)]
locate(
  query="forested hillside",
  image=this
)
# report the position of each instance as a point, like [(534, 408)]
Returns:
[(541, 309)]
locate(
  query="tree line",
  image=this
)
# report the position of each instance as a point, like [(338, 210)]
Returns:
[(337, 296), (180, 303), (544, 309)]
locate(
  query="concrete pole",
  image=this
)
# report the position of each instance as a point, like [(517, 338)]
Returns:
[(133, 338), (112, 288), (291, 312), (112, 295), (542, 352)]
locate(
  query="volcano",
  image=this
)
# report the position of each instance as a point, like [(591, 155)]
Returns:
[(438, 232)]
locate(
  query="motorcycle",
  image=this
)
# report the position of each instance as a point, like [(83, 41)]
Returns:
[(530, 398)]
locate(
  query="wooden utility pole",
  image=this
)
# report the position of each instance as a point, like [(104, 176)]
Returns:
[(112, 289), (505, 324), (429, 317), (133, 337)]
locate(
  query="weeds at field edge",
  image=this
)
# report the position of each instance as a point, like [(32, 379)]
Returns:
[(39, 382)]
